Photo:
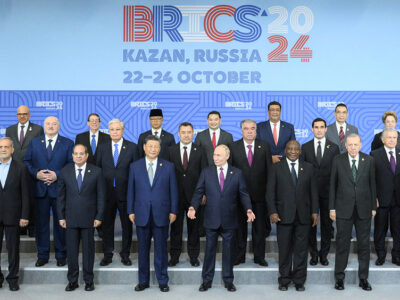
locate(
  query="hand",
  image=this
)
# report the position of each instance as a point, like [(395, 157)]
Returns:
[(172, 218), (63, 224), (51, 177), (332, 215), (373, 213), (250, 216), (132, 218), (23, 222), (203, 200), (276, 158), (274, 218), (191, 213), (42, 175), (314, 218), (97, 223)]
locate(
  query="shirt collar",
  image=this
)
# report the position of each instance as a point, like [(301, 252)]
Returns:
[(216, 130), (388, 149), (246, 144), (83, 168), (291, 162), (154, 162), (183, 145), (225, 167), (53, 139), (158, 131), (26, 124), (320, 140), (352, 158), (7, 163)]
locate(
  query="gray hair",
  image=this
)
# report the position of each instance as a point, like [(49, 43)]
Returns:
[(247, 121), (8, 139), (352, 135), (116, 121), (388, 130), (226, 148)]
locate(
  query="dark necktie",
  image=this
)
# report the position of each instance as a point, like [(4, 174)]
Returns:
[(354, 170), (221, 178), (319, 153), (392, 162), (250, 155), (93, 144), (79, 179), (156, 133), (185, 158), (293, 173), (22, 135), (49, 150), (341, 135)]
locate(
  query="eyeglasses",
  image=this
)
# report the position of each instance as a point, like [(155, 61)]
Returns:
[(22, 114), (94, 121)]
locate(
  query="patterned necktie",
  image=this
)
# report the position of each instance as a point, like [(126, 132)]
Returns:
[(93, 144), (221, 178), (214, 140), (392, 162), (22, 135), (79, 179), (185, 158), (354, 170), (319, 153), (49, 150), (293, 173), (250, 155), (151, 173), (116, 154), (275, 134), (341, 135)]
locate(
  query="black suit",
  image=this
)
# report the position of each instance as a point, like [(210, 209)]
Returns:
[(85, 138), (323, 172), (353, 202), (116, 178), (256, 180), (167, 140), (32, 131), (14, 205), (79, 208), (187, 180), (377, 142), (388, 192), (294, 203)]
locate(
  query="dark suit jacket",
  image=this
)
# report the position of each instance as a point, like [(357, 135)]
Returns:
[(204, 140), (323, 171), (377, 142), (286, 133), (345, 194), (255, 175), (161, 197), (86, 139), (167, 140), (221, 208), (36, 160), (285, 198), (33, 131), (386, 182), (187, 180), (14, 196), (105, 160), (333, 135)]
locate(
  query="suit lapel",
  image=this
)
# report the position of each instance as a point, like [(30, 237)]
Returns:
[(326, 152), (10, 175), (43, 142), (361, 166), (192, 155), (386, 162), (335, 133), (122, 152), (159, 168), (242, 153), (57, 145), (397, 161), (177, 155), (144, 171), (27, 135), (270, 134), (287, 171), (207, 138), (300, 173), (282, 130), (228, 178), (86, 178), (88, 137)]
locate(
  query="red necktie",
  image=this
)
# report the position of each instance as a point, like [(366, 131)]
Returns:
[(275, 134), (214, 140), (185, 158), (341, 135)]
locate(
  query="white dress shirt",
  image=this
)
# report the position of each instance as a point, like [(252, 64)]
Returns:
[(153, 132), (96, 137), (338, 127), (247, 149), (189, 147), (154, 167), (357, 158), (119, 146), (26, 125), (278, 126), (388, 154), (53, 141), (296, 166), (77, 172), (323, 142), (217, 134), (225, 170)]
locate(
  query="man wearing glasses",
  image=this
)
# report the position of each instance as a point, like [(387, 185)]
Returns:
[(21, 134)]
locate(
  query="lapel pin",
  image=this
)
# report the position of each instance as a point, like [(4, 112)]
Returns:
[(348, 129), (301, 169), (259, 147), (30, 128), (231, 172), (42, 141), (328, 146), (160, 165), (123, 147), (283, 125), (88, 171), (362, 159), (195, 149), (399, 153)]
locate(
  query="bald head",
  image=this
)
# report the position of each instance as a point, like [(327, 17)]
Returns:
[(23, 114), (51, 126)]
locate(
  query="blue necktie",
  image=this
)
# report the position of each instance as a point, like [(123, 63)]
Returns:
[(93, 144), (79, 179), (49, 150), (116, 154), (151, 173)]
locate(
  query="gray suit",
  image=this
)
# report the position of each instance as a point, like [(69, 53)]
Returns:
[(332, 134), (203, 139), (33, 131)]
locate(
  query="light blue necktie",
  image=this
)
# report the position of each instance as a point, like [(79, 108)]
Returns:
[(79, 179), (151, 173), (93, 144), (116, 154)]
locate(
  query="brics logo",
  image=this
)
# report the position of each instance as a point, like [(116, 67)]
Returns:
[(142, 24)]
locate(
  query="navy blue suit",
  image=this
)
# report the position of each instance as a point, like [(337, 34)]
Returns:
[(79, 208), (36, 159), (152, 206), (220, 216), (116, 178), (286, 133)]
